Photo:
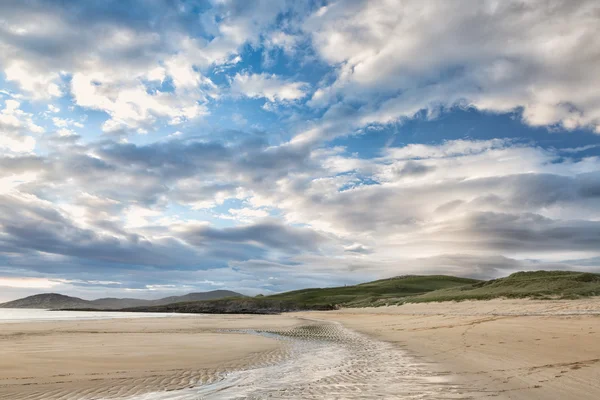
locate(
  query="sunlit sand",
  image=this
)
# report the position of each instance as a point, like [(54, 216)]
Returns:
[(513, 349)]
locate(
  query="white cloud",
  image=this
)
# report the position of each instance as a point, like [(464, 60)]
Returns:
[(245, 214), (29, 283), (270, 87), (117, 63), (66, 122), (39, 85), (539, 56), (16, 128), (129, 103), (282, 40)]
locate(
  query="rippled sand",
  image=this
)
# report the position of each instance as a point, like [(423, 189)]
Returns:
[(327, 361), (113, 359), (472, 350), (212, 357), (501, 349)]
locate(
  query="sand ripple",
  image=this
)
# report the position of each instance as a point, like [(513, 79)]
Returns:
[(326, 361)]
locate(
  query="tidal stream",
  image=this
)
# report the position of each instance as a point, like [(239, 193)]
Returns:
[(324, 360)]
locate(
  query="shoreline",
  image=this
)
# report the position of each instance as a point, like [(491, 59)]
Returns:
[(224, 357), (120, 358), (507, 349)]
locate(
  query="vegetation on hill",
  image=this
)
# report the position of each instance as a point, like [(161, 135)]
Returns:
[(320, 299), (234, 305), (535, 284), (399, 290), (366, 294)]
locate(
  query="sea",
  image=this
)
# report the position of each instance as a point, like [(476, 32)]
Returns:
[(8, 315)]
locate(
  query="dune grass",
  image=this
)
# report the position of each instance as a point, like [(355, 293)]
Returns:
[(365, 294), (535, 284)]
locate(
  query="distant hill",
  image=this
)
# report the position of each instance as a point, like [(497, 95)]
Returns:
[(47, 301), (398, 290), (59, 301), (402, 289), (212, 295), (319, 299), (115, 303)]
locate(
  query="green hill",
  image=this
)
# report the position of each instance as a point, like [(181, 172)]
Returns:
[(535, 284), (365, 294), (392, 289), (399, 290)]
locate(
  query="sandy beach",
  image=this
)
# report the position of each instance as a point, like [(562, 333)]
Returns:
[(127, 357), (506, 349)]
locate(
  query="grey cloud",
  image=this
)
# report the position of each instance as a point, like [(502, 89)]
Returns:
[(194, 191), (483, 267), (168, 159), (382, 208), (415, 168), (20, 164), (532, 232), (84, 23), (270, 234), (35, 226)]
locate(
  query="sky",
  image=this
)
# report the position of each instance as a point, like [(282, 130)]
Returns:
[(159, 147)]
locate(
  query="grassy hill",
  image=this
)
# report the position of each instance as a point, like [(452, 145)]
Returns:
[(535, 284), (393, 289), (384, 290), (399, 290), (234, 305)]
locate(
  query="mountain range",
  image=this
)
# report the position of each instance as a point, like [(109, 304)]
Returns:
[(60, 301)]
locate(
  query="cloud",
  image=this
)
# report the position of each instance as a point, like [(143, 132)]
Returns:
[(479, 199), (38, 283), (270, 87), (386, 154), (17, 128), (120, 62), (271, 235), (539, 57)]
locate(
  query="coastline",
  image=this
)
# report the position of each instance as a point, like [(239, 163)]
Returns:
[(506, 349)]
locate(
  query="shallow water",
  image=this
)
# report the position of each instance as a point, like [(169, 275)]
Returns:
[(326, 361), (24, 315)]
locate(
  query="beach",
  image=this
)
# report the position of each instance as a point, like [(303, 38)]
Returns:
[(505, 349), (126, 357)]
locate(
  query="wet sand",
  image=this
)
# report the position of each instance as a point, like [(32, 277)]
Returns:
[(503, 349), (126, 357)]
